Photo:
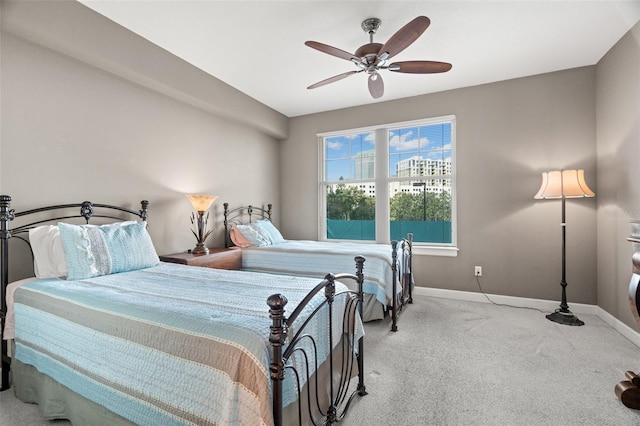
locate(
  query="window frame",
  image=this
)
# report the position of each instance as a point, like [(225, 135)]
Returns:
[(382, 181)]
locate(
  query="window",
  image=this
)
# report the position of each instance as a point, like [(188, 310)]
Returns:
[(379, 184)]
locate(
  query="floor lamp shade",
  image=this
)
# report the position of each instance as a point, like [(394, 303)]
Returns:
[(562, 184)]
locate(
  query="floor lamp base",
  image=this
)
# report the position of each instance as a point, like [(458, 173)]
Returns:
[(565, 317)]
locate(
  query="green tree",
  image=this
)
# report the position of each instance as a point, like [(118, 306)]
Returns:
[(441, 206), (349, 203), (405, 206)]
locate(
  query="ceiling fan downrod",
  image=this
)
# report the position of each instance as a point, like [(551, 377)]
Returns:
[(370, 26)]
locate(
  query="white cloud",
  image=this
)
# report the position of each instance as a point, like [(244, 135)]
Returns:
[(334, 145), (408, 142)]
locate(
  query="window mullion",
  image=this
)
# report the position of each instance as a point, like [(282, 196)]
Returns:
[(382, 186)]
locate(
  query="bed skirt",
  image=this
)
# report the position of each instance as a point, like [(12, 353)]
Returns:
[(57, 401), (372, 309)]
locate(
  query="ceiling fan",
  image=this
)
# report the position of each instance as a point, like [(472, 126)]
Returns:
[(372, 57)]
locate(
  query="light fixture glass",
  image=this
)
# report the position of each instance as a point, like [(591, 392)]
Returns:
[(201, 204)]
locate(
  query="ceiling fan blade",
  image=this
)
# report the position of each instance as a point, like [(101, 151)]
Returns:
[(333, 51), (405, 36), (376, 85), (334, 78), (420, 67)]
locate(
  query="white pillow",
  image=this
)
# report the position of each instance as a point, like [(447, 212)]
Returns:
[(49, 260)]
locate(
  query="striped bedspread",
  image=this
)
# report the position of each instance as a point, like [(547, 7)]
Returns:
[(314, 258), (165, 345)]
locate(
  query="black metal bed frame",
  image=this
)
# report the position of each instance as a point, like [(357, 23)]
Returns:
[(405, 296), (88, 210), (247, 214), (339, 379), (282, 349), (240, 216)]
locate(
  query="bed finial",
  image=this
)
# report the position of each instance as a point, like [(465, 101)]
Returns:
[(6, 216), (86, 210), (330, 288), (360, 267), (144, 211)]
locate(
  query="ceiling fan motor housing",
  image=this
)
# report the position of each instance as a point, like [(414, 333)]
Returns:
[(368, 53)]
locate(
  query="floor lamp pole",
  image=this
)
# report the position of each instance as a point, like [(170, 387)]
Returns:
[(563, 315)]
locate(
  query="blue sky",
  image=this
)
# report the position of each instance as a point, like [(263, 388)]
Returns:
[(429, 141)]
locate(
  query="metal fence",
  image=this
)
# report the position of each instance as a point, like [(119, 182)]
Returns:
[(436, 231)]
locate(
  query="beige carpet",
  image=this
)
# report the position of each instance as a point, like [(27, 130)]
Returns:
[(468, 363)]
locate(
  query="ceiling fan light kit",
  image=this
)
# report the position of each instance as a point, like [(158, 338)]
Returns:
[(372, 57)]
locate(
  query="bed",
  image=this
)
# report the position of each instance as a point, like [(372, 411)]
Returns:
[(126, 339), (388, 281)]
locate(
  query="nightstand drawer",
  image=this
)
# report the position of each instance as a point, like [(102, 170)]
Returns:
[(219, 258)]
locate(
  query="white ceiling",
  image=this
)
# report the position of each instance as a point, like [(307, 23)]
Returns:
[(258, 46)]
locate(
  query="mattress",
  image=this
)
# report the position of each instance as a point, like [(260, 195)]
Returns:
[(315, 258)]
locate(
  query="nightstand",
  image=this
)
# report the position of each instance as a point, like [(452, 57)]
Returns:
[(219, 258)]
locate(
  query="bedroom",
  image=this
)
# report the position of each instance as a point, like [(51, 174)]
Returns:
[(80, 120)]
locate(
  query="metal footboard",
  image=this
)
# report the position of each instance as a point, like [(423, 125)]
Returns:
[(405, 295), (319, 402)]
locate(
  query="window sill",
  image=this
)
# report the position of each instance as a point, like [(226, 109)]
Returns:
[(434, 251)]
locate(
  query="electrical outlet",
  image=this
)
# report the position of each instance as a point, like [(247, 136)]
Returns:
[(478, 271)]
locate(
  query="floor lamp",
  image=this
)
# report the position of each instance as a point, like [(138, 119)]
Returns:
[(564, 184)]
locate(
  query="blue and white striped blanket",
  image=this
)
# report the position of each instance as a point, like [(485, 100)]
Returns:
[(314, 258), (165, 345)]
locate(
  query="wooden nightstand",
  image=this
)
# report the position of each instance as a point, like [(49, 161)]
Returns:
[(219, 258)]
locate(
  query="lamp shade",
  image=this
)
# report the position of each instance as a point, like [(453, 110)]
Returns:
[(563, 184), (201, 203)]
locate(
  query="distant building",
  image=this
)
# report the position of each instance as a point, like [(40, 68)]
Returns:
[(415, 166), (364, 165), (418, 166)]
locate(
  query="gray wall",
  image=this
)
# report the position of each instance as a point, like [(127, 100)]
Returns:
[(73, 130), (507, 134), (618, 143)]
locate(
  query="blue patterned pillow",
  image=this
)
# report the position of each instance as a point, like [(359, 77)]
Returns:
[(101, 250), (252, 235), (269, 231)]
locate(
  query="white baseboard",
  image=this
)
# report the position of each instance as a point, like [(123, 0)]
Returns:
[(619, 326), (544, 305)]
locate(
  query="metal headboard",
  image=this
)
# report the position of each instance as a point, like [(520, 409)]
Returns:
[(240, 216), (87, 211)]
